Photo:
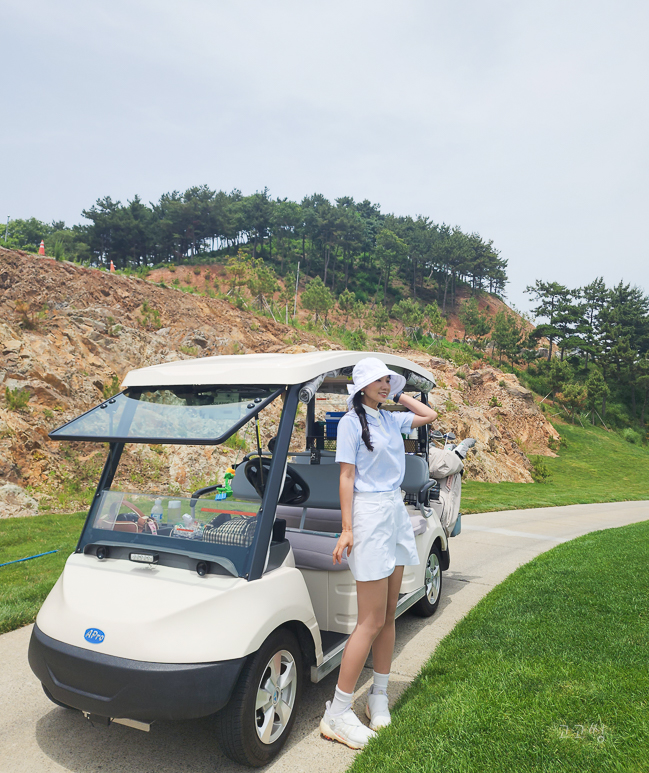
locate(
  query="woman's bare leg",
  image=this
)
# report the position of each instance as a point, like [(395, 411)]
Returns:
[(372, 603), (383, 645)]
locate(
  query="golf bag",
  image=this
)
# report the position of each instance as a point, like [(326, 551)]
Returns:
[(447, 467)]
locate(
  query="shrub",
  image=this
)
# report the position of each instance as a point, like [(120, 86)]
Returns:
[(27, 317), (461, 357), (112, 327), (58, 250), (150, 317), (17, 399), (357, 340), (494, 402), (631, 436), (111, 389), (540, 471), (617, 415), (235, 442)]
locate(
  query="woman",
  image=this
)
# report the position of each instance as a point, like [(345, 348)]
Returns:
[(377, 534)]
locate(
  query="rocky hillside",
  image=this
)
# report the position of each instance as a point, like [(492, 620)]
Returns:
[(68, 335)]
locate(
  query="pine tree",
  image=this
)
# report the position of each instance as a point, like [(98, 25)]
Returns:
[(317, 298), (436, 322), (346, 301)]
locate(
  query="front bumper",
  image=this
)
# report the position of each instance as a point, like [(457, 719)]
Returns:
[(117, 687)]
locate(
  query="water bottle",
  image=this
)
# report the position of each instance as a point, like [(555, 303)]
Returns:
[(156, 510)]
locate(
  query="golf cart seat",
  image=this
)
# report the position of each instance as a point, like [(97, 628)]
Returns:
[(313, 528), (314, 551), (322, 479), (311, 548), (321, 520)]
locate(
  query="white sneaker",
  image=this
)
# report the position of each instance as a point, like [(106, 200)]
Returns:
[(346, 728), (377, 710)]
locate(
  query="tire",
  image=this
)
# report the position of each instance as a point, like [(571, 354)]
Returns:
[(427, 606), (53, 699), (250, 734)]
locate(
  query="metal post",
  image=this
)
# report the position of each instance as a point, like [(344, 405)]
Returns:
[(7, 229), (297, 279)]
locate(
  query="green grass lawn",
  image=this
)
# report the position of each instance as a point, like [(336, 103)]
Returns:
[(24, 586), (594, 466), (548, 673)]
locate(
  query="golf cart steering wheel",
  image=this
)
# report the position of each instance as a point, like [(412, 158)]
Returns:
[(296, 490)]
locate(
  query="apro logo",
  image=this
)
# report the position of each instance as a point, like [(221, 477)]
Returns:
[(94, 635)]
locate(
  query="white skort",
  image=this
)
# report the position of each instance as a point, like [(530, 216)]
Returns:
[(383, 535)]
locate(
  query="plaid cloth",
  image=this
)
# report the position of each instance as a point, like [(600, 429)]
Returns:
[(238, 532)]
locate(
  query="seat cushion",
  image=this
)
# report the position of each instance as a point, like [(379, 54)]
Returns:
[(418, 523), (314, 551), (416, 475), (318, 519)]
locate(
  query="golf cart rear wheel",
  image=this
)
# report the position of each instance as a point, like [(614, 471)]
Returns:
[(259, 717), (426, 606)]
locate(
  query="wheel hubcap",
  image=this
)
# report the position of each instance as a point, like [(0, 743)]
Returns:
[(275, 696), (433, 578)]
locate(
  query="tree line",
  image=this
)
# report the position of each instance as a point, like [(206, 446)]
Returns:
[(601, 336), (346, 243)]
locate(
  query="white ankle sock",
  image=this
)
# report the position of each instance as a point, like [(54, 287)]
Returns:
[(341, 703), (380, 683)]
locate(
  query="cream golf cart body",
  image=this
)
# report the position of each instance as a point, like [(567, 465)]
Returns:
[(176, 608)]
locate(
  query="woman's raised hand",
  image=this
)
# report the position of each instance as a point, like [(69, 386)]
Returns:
[(346, 540)]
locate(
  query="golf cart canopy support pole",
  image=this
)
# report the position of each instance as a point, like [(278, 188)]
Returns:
[(107, 475), (273, 484)]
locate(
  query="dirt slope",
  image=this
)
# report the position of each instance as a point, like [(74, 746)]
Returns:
[(68, 335)]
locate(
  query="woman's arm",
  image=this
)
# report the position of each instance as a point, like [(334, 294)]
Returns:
[(424, 414), (346, 539)]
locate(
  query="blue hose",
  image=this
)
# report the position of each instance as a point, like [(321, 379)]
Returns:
[(29, 558)]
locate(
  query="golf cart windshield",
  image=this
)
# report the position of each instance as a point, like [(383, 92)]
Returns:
[(180, 414), (218, 527), (219, 531)]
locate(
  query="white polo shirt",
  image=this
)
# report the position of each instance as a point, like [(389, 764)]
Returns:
[(383, 468)]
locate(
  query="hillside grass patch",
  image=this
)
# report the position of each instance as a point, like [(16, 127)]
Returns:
[(24, 586), (547, 673), (592, 465)]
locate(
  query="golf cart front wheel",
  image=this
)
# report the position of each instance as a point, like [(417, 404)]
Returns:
[(259, 717), (427, 605)]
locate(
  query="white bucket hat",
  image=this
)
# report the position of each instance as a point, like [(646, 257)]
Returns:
[(372, 369)]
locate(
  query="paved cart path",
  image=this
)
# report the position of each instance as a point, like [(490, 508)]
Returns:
[(35, 735)]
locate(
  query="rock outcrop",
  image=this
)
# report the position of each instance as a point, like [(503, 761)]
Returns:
[(68, 336)]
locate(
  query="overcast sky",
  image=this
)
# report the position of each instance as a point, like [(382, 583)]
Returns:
[(523, 120)]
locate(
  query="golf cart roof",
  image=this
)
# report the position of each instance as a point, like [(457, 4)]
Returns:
[(286, 369)]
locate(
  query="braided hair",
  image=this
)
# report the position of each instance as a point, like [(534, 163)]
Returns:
[(357, 402)]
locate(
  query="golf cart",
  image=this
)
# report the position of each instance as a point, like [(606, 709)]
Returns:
[(180, 607)]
